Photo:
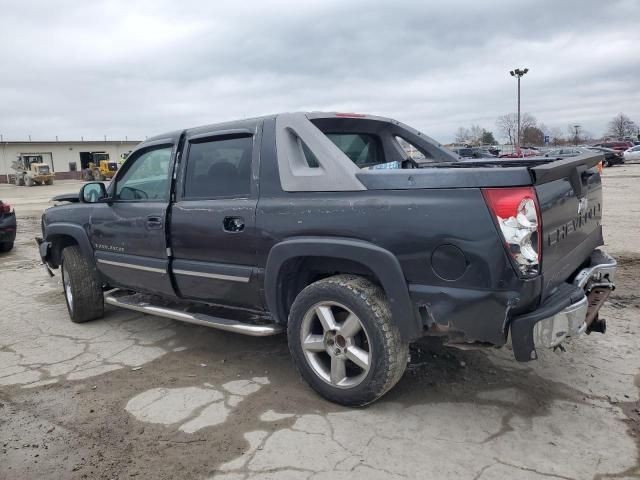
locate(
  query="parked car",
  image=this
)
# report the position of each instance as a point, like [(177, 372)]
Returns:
[(633, 153), (473, 152), (611, 156), (618, 145), (318, 224), (7, 227), (524, 153)]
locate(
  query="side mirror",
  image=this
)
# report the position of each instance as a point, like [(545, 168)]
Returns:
[(93, 192)]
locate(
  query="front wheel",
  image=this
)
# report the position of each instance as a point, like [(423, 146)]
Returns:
[(344, 342), (82, 286), (6, 246)]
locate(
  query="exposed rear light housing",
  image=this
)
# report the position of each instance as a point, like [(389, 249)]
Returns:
[(516, 212), (5, 208)]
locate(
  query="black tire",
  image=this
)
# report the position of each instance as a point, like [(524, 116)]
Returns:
[(81, 280), (606, 163), (387, 351), (6, 246)]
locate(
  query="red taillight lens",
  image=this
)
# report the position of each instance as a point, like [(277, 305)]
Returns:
[(517, 214), (5, 208)]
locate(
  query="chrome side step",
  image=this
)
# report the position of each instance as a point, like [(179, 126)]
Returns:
[(141, 304)]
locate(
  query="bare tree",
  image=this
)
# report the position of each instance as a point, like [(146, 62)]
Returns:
[(532, 135), (462, 135), (622, 126), (508, 125), (556, 136), (475, 134)]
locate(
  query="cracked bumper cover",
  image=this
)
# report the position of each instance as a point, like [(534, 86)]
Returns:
[(564, 314), (44, 248)]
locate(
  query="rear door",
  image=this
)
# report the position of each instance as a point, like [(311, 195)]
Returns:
[(128, 234), (213, 235), (570, 197)]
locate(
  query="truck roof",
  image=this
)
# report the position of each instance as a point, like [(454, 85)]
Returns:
[(245, 122)]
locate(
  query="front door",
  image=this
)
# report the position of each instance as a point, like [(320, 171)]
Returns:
[(213, 220), (128, 233)]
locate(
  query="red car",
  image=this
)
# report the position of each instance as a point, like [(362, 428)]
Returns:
[(620, 146)]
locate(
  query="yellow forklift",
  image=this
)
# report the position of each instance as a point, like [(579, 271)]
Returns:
[(97, 166)]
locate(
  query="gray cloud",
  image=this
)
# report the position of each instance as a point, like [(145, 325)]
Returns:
[(119, 68)]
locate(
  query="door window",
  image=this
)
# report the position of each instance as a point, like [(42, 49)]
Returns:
[(147, 178), (219, 168)]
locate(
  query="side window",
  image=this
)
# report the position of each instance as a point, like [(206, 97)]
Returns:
[(364, 149), (419, 155), (147, 178), (219, 168)]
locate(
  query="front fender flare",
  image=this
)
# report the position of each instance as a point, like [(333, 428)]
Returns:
[(381, 262), (74, 231)]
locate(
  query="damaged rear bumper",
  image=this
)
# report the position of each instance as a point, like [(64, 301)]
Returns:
[(568, 312)]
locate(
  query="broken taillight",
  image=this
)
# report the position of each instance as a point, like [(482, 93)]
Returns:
[(5, 208), (517, 214)]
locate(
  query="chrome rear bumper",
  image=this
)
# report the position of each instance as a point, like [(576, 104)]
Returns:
[(597, 281), (568, 312)]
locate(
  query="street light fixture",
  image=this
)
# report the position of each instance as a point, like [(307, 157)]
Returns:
[(518, 73), (576, 137)]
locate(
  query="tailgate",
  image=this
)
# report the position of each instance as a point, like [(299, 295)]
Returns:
[(570, 197)]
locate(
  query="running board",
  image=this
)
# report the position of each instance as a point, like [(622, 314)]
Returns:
[(140, 303)]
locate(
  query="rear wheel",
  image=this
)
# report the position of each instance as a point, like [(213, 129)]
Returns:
[(344, 342), (82, 286), (6, 246)]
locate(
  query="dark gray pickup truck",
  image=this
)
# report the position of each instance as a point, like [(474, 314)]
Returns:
[(356, 234)]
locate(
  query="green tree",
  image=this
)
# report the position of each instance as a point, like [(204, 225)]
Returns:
[(488, 138)]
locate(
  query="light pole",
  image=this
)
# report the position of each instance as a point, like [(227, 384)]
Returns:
[(518, 73), (576, 137)]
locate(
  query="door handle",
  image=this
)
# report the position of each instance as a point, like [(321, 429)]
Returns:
[(154, 221), (233, 224)]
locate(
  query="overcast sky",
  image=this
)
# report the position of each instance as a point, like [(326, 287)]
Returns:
[(138, 68)]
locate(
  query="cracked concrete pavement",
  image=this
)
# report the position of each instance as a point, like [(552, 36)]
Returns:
[(136, 396)]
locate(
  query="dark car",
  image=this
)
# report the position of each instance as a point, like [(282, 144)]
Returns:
[(7, 227), (473, 152), (322, 225), (611, 156)]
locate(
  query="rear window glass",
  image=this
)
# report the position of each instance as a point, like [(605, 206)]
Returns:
[(363, 149)]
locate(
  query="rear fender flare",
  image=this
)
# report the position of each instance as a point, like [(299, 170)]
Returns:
[(381, 262)]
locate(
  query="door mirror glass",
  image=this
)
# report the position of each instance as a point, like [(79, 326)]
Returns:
[(93, 192)]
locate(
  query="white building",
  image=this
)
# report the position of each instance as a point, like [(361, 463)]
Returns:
[(66, 158)]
